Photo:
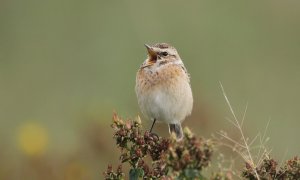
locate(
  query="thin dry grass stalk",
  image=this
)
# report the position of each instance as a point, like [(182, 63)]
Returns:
[(243, 146)]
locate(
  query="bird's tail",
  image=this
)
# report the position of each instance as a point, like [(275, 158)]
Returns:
[(177, 129)]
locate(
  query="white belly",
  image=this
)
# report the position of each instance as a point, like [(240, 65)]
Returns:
[(169, 104)]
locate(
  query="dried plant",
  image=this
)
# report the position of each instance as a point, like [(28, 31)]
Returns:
[(269, 169), (170, 158), (243, 146), (185, 159)]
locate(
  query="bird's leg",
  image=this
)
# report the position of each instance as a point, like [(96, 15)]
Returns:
[(152, 125)]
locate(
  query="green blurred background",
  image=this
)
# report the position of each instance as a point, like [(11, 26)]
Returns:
[(65, 66)]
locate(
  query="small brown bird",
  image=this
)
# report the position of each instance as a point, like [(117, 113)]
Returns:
[(163, 88)]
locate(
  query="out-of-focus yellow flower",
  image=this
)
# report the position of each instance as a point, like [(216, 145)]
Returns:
[(32, 139)]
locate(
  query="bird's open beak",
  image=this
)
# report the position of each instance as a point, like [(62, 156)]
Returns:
[(151, 53)]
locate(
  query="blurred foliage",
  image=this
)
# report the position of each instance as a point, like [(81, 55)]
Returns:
[(68, 64), (269, 170)]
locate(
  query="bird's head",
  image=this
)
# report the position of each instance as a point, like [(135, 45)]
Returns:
[(161, 53)]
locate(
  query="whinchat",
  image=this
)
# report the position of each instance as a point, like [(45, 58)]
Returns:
[(163, 88)]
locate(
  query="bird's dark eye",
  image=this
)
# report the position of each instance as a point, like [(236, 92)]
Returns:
[(164, 53)]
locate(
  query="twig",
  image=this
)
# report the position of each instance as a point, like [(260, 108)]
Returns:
[(241, 132)]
